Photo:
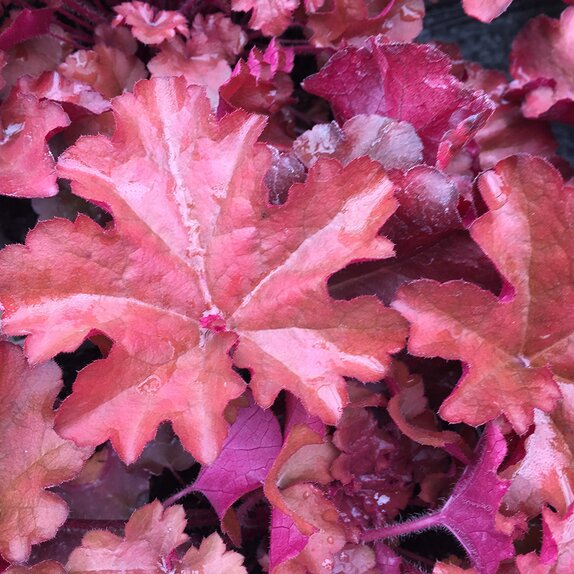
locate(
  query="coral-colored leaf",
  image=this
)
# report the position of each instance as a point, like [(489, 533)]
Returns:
[(217, 35), (107, 69), (409, 410), (72, 94), (556, 556), (212, 557), (262, 84), (151, 534), (149, 25), (204, 59), (513, 345), (178, 58), (269, 16), (546, 474), (253, 443), (305, 458), (542, 63), (31, 57), (33, 456), (196, 259), (408, 82), (25, 124), (338, 21), (485, 10)]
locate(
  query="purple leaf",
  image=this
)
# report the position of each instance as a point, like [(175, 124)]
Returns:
[(286, 540), (253, 443), (295, 414), (470, 512)]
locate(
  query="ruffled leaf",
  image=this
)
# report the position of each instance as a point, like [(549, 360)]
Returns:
[(515, 344)]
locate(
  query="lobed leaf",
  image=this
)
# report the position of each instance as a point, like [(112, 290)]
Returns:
[(32, 456), (545, 475), (556, 555), (541, 63), (270, 16), (151, 534), (149, 25), (514, 345), (197, 264)]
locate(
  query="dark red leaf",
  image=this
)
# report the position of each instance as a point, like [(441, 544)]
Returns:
[(407, 82), (27, 24)]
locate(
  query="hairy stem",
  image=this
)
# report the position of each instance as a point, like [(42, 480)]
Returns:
[(179, 495), (422, 523)]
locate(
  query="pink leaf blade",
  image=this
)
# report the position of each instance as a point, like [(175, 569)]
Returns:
[(541, 63), (151, 534), (27, 124), (212, 557), (485, 10), (197, 263), (149, 25), (270, 16)]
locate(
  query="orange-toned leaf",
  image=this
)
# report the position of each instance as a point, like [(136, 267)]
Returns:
[(151, 534), (32, 456), (516, 344), (212, 557), (196, 264)]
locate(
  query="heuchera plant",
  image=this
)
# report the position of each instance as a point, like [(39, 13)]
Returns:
[(300, 287)]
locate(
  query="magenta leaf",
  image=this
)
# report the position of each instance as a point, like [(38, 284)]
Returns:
[(470, 512), (286, 540), (253, 443)]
